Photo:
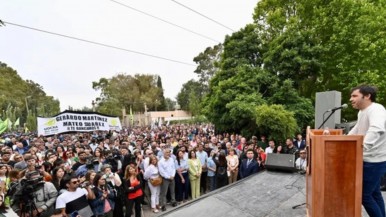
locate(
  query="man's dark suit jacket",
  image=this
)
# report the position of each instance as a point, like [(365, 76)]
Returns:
[(302, 144), (245, 170)]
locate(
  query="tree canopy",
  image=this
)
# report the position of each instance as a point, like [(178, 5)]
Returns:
[(16, 95), (292, 50), (125, 91)]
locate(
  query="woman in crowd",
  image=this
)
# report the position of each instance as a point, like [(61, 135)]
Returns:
[(212, 170), (278, 149), (99, 155), (103, 204), (221, 172), (134, 189), (182, 177), (60, 152), (195, 170), (90, 176), (233, 165), (151, 173), (57, 178)]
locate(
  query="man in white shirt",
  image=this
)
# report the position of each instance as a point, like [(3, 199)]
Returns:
[(371, 123), (167, 170), (271, 147), (75, 198), (301, 162)]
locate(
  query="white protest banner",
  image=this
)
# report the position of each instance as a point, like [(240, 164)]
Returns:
[(69, 121)]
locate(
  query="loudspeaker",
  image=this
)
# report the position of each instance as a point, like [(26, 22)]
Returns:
[(282, 162)]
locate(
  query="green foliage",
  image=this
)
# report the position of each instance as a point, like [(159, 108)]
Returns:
[(123, 91), (324, 45), (207, 66), (16, 95), (189, 96), (169, 104), (286, 95), (275, 121)]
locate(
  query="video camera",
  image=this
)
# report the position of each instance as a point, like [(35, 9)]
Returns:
[(91, 162), (24, 192)]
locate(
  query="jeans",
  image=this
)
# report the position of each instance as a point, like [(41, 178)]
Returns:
[(371, 196), (212, 183)]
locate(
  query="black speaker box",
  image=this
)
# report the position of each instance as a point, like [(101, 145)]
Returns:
[(282, 162)]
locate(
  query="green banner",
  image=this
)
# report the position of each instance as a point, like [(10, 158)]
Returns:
[(3, 126)]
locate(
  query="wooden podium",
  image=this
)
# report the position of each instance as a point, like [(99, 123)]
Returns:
[(334, 174)]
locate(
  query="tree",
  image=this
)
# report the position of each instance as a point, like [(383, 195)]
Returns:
[(275, 121), (123, 91), (17, 94), (324, 45), (207, 66), (170, 104), (162, 103), (189, 95)]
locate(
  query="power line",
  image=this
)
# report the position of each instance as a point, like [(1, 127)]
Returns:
[(191, 9), (100, 44), (165, 21)]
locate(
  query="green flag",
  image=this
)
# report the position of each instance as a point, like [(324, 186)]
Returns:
[(17, 123), (3, 126)]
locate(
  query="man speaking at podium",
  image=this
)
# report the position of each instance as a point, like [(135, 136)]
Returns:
[(371, 123)]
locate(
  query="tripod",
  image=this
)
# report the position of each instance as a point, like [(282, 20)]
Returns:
[(28, 208)]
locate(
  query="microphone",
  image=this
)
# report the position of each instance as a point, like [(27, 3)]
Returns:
[(337, 108)]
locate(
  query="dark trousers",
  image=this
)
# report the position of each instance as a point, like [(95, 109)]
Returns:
[(222, 180), (182, 188), (203, 183), (212, 182), (371, 197), (118, 207), (136, 202)]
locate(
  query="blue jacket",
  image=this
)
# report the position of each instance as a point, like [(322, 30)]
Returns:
[(98, 205), (246, 171)]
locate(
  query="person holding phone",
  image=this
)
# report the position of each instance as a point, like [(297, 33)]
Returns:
[(104, 202)]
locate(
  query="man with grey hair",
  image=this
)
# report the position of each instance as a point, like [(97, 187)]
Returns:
[(167, 170)]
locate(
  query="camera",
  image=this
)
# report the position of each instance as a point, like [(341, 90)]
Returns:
[(85, 184), (24, 191)]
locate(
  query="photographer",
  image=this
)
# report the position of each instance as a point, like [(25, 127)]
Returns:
[(33, 195)]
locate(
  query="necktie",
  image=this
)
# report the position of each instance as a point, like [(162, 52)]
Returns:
[(249, 161)]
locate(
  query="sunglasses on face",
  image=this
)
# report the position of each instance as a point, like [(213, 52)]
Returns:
[(75, 182)]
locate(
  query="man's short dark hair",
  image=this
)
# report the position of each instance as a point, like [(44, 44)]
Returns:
[(366, 90), (81, 152), (67, 178), (249, 150)]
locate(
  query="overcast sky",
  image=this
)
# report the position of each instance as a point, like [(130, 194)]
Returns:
[(66, 68)]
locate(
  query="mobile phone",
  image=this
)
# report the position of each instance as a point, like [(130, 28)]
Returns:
[(74, 214)]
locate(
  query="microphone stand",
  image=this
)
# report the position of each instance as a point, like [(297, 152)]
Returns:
[(328, 117)]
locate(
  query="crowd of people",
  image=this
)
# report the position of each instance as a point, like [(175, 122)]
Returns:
[(115, 173)]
